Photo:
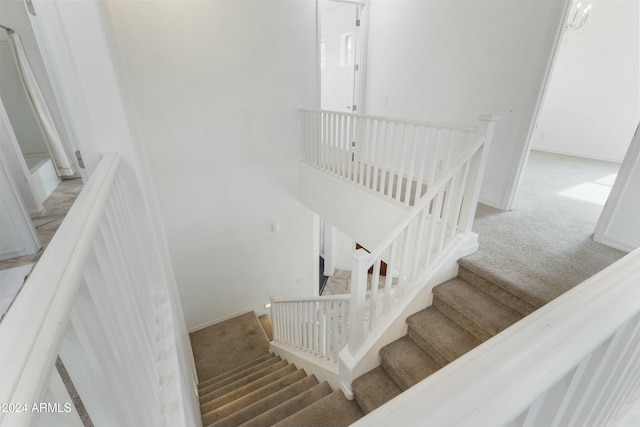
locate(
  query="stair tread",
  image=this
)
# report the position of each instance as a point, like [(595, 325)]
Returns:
[(332, 410), (374, 389), (406, 363), (440, 337), (290, 407), (240, 382), (239, 376), (234, 371), (479, 308), (246, 389), (270, 392), (469, 274)]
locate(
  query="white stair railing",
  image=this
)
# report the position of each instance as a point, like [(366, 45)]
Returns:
[(574, 362), (434, 168), (392, 157), (314, 325), (98, 300), (445, 211)]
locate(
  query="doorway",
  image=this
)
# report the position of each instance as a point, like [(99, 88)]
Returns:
[(342, 44), (591, 105)]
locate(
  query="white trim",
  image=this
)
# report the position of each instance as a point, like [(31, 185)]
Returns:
[(220, 320), (616, 244), (517, 169), (631, 158), (579, 155)]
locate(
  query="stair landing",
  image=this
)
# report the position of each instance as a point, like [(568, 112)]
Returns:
[(227, 345)]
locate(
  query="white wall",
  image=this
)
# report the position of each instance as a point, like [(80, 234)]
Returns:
[(14, 15), (454, 60), (216, 86), (78, 48), (592, 104)]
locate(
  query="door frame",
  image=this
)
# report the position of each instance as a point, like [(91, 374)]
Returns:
[(631, 158), (362, 41), (520, 164)]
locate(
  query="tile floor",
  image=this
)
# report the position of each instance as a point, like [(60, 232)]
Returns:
[(56, 208)]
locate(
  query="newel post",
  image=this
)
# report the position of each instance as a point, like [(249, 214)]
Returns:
[(358, 299), (477, 166)]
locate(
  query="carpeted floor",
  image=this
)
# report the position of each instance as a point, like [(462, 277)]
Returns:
[(227, 345), (544, 245)]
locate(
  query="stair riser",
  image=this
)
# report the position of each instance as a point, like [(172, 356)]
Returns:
[(251, 398), (242, 382), (513, 302), (257, 408), (290, 407), (374, 389), (208, 382), (461, 320), (242, 391), (427, 347), (233, 378)]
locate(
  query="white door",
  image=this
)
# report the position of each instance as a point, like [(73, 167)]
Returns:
[(339, 38)]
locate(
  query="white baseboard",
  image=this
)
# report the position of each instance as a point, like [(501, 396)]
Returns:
[(220, 320), (571, 154), (615, 244)]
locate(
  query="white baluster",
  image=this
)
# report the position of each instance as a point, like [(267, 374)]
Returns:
[(334, 331), (322, 330), (386, 299), (375, 163), (314, 332), (373, 306), (401, 143), (477, 166), (358, 298), (422, 160), (412, 146)]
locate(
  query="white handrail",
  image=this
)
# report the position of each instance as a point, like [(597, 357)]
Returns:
[(420, 164), (43, 312), (94, 300), (427, 198), (573, 362), (442, 125), (311, 299)]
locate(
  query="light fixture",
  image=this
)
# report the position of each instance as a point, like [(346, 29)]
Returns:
[(578, 17)]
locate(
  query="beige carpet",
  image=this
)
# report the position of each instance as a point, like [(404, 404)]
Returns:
[(544, 246), (227, 345)]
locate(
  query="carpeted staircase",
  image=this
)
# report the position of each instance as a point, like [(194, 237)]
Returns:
[(249, 386), (466, 311), (267, 391)]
